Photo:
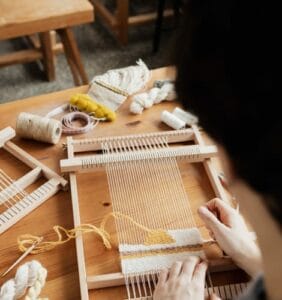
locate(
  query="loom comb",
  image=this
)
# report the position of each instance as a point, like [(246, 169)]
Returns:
[(15, 202)]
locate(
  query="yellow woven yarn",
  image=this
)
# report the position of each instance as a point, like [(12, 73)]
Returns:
[(25, 241), (85, 103)]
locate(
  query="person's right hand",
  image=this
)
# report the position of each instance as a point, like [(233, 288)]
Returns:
[(230, 231)]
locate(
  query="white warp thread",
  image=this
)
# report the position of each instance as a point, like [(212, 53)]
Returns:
[(129, 80), (30, 275), (153, 96)]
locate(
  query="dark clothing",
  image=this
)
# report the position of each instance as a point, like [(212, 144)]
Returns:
[(256, 290)]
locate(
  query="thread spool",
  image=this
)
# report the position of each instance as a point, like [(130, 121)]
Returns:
[(171, 120), (38, 128)]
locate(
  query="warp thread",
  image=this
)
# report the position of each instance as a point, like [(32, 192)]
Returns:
[(38, 128), (29, 279), (153, 96), (155, 236), (114, 86), (69, 127)]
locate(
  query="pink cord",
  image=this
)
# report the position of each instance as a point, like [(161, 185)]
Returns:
[(69, 128)]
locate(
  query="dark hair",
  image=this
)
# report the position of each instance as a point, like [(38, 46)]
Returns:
[(225, 59)]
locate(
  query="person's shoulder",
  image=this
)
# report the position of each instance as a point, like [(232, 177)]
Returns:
[(255, 291)]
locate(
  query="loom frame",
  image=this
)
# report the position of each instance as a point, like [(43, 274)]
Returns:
[(46, 190), (69, 165)]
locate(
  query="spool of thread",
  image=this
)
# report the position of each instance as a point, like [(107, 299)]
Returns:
[(38, 128), (171, 120)]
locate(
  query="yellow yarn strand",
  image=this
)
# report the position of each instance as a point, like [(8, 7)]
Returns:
[(25, 241)]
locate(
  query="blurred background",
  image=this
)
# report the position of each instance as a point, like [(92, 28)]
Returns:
[(100, 46)]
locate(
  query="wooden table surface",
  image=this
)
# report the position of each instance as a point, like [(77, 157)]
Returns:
[(25, 17), (62, 281)]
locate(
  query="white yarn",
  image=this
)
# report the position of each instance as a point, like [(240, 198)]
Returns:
[(30, 274), (172, 121), (128, 80), (38, 128), (153, 96)]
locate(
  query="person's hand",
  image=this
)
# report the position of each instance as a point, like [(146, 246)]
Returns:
[(184, 281), (230, 231)]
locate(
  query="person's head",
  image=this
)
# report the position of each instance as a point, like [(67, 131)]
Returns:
[(225, 62)]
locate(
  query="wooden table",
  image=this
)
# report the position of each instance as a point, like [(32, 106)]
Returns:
[(62, 282), (24, 18)]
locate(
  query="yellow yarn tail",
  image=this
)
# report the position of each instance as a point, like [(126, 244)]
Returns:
[(154, 236)]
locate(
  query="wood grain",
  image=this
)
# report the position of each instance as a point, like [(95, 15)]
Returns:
[(62, 281)]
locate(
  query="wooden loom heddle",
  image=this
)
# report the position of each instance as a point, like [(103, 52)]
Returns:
[(13, 197), (87, 163)]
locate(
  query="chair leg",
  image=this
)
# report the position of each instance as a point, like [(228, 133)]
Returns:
[(122, 17), (48, 56), (73, 56), (158, 26)]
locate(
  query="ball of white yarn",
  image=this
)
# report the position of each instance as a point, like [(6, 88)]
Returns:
[(29, 275), (153, 96)]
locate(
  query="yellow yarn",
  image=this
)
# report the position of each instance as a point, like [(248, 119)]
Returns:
[(85, 103), (25, 241)]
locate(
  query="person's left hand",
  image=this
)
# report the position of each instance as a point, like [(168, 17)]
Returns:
[(184, 281)]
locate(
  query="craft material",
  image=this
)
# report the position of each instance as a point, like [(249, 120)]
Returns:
[(145, 184), (26, 252), (153, 96), (69, 127), (172, 121), (28, 282), (160, 83), (29, 243), (38, 128), (113, 87), (15, 202), (185, 116), (85, 103)]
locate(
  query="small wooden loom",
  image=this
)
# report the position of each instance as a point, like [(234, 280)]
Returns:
[(15, 202), (145, 184)]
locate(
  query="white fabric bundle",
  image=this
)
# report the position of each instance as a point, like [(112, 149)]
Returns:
[(153, 96), (113, 87), (29, 275)]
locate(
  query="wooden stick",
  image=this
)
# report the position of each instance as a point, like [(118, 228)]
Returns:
[(89, 163), (32, 162), (210, 170), (76, 220), (6, 134)]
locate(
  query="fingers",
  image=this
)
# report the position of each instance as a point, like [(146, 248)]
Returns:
[(163, 277), (214, 297), (200, 272), (175, 270), (211, 220), (189, 267)]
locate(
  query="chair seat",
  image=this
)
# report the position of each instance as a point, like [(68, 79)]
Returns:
[(25, 17)]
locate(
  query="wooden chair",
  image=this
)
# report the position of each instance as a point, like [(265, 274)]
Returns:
[(120, 20), (30, 18), (159, 21)]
